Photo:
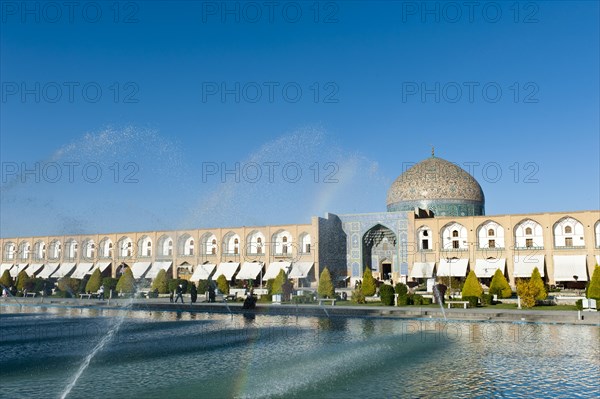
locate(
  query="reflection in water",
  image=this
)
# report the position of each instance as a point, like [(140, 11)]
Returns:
[(216, 355)]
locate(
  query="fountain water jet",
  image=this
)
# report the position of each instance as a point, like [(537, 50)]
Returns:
[(106, 339)]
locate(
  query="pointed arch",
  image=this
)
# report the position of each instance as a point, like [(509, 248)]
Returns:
[(490, 234), (568, 232), (528, 234)]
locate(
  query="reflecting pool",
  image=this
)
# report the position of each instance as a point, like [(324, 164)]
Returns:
[(210, 355)]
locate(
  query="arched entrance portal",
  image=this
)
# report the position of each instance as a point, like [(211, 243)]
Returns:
[(379, 251)]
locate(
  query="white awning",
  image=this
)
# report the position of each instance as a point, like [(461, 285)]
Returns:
[(64, 270), (48, 269), (250, 270), (274, 268), (4, 267), (422, 270), (139, 268), (157, 267), (34, 268), (203, 272), (81, 270), (453, 268), (485, 268), (301, 269), (568, 266), (227, 269), (525, 264), (17, 269)]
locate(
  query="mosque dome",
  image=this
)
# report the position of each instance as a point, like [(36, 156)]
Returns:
[(439, 186)]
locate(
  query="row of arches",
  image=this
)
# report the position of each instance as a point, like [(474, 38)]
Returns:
[(255, 243), (567, 232)]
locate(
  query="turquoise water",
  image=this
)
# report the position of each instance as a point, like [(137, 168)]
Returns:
[(208, 355)]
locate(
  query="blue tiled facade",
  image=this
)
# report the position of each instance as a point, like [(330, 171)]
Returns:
[(351, 229)]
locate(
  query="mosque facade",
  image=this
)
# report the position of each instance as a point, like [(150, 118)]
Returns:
[(435, 227)]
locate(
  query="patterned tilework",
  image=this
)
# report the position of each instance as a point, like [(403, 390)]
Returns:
[(356, 226), (437, 185)]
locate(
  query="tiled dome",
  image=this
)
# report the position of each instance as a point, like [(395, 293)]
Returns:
[(437, 185)]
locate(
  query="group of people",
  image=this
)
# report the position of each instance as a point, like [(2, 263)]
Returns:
[(178, 294)]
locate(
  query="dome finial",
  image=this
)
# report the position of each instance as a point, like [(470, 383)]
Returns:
[(432, 151)]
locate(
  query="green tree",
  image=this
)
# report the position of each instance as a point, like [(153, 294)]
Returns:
[(223, 284), (593, 289), (538, 285), (22, 280), (68, 284), (401, 289), (472, 287), (95, 281), (527, 292), (368, 284), (386, 292), (161, 282), (6, 280), (358, 296), (325, 289), (126, 282), (499, 286), (277, 287)]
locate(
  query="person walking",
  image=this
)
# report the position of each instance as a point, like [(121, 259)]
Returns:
[(179, 293), (194, 293), (101, 292)]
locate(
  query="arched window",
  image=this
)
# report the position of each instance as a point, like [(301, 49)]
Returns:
[(568, 232), (455, 233), (490, 232), (424, 238), (529, 234)]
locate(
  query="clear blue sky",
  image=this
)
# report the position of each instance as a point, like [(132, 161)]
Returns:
[(190, 87)]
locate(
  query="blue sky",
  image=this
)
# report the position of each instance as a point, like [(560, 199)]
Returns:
[(126, 113)]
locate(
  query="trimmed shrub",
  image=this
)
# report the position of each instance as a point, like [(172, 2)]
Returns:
[(487, 299), (109, 283), (223, 284), (202, 286), (6, 280), (358, 296), (472, 287), (153, 293), (426, 301), (161, 282), (593, 288), (301, 299), (325, 289), (579, 304), (417, 299), (527, 292), (404, 300), (68, 285), (95, 281), (368, 283), (22, 279), (499, 286), (277, 287), (386, 292), (538, 285), (401, 289), (473, 300), (126, 283)]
